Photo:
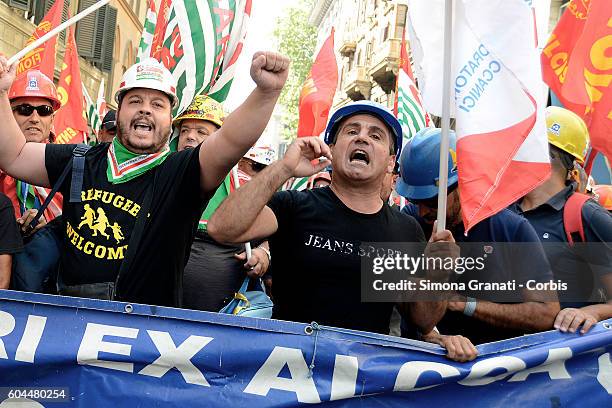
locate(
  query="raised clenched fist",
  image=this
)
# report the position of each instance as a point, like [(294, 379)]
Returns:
[(269, 70)]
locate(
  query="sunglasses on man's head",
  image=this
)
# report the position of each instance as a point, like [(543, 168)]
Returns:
[(26, 110)]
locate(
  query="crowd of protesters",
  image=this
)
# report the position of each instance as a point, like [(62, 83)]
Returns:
[(168, 228)]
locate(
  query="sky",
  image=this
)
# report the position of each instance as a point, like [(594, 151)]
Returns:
[(259, 38)]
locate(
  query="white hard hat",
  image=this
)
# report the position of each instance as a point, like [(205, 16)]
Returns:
[(151, 74), (261, 154)]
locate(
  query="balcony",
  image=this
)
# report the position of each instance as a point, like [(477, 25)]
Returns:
[(348, 47), (385, 64), (357, 84)]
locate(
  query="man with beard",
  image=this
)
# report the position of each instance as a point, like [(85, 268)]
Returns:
[(148, 199), (34, 101), (317, 235), (482, 316)]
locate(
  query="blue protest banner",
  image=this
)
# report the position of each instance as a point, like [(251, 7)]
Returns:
[(99, 353)]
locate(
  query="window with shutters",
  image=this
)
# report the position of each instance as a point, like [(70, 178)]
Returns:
[(96, 35), (20, 4), (42, 7)]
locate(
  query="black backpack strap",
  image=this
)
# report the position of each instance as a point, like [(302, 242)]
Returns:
[(75, 187), (137, 232), (78, 169)]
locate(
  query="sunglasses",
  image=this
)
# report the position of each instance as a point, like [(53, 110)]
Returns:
[(429, 203), (433, 202), (257, 166), (26, 110), (110, 126)]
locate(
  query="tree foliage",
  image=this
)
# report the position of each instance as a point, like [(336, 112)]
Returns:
[(297, 39)]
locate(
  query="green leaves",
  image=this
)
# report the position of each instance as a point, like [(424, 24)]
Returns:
[(297, 39)]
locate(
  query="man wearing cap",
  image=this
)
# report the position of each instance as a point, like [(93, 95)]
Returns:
[(482, 315), (136, 184), (108, 130), (34, 101), (214, 271), (316, 235), (585, 264)]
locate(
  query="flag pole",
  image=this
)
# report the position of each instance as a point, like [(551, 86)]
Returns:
[(56, 31), (444, 142), (247, 245)]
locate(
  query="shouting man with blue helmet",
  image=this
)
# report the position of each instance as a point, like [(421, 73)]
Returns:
[(480, 316), (315, 235)]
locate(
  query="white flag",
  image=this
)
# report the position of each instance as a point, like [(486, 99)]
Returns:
[(497, 97)]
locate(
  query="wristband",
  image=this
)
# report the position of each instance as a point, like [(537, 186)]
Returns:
[(470, 306), (267, 252)]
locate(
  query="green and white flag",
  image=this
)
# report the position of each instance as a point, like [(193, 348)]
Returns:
[(201, 45), (296, 183), (146, 41), (91, 112), (408, 107)]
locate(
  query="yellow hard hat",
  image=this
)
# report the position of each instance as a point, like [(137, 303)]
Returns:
[(204, 108), (567, 131)]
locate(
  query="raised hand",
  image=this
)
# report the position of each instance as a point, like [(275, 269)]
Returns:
[(7, 74), (269, 70), (298, 158)]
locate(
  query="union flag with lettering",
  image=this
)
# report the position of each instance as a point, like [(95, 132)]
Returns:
[(577, 65), (200, 42), (318, 91), (43, 57), (70, 124)]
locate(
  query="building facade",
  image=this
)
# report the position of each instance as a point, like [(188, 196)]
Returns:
[(107, 40), (368, 36)]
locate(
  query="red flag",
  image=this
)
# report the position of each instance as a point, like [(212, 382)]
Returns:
[(160, 29), (69, 122), (43, 57), (577, 65), (318, 91)]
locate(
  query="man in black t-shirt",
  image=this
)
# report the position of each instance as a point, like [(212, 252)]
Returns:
[(319, 237), (514, 255), (10, 240), (585, 264), (118, 177)]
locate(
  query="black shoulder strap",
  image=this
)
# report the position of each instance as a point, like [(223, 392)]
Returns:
[(78, 169), (137, 232), (77, 164)]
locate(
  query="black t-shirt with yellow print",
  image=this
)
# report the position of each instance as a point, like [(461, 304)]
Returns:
[(97, 230)]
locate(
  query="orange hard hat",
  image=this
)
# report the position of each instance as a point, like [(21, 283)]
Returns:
[(604, 195), (34, 83)]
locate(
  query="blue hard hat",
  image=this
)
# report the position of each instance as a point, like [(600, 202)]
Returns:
[(368, 107), (420, 165)]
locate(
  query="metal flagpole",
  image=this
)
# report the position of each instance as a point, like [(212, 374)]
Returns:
[(444, 142), (56, 31)]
